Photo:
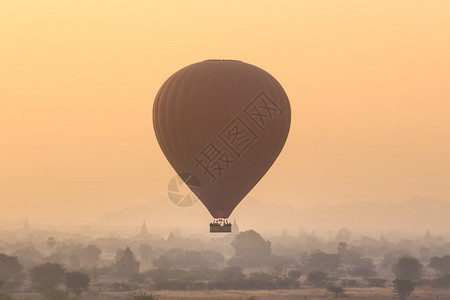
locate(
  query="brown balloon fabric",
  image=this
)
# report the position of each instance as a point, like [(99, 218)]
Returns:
[(221, 124)]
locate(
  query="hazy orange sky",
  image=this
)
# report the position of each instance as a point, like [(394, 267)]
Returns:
[(368, 81)]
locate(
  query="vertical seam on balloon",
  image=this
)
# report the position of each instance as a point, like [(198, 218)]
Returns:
[(163, 112), (157, 110)]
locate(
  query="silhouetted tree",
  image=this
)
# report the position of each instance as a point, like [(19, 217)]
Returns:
[(187, 258), (11, 274), (145, 252), (343, 235), (403, 287), (5, 297), (213, 257), (77, 282), (408, 267), (231, 273), (392, 257), (251, 250), (56, 258), (127, 264), (229, 278), (442, 281), (281, 263), (142, 295), (163, 261), (317, 278), (363, 272), (74, 260), (27, 254), (376, 282), (259, 281), (47, 276), (324, 261), (90, 255), (336, 290), (251, 243), (55, 294), (440, 264), (295, 274)]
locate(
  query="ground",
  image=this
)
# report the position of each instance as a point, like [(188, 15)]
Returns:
[(310, 294)]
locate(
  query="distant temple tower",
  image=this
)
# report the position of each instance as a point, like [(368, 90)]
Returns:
[(26, 225), (234, 227), (143, 233), (171, 236), (428, 237)]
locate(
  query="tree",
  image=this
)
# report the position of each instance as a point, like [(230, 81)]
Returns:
[(55, 294), (5, 297), (163, 262), (142, 295), (403, 287), (27, 254), (251, 243), (90, 255), (317, 278), (231, 273), (11, 274), (213, 257), (376, 282), (145, 252), (251, 250), (47, 276), (127, 265), (187, 258), (281, 264), (363, 272), (324, 261), (229, 278), (195, 259), (440, 264), (442, 281), (259, 281), (336, 290), (343, 235), (294, 274), (74, 261), (77, 282), (408, 267)]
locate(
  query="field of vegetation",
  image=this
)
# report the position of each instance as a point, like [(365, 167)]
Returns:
[(302, 294), (242, 265)]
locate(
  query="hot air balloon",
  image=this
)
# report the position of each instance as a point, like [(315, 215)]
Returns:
[(221, 125)]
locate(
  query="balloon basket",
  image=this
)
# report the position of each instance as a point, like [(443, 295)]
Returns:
[(220, 225)]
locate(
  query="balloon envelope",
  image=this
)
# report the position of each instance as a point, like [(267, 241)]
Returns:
[(222, 124)]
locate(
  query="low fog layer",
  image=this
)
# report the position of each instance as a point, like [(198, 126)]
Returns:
[(94, 262), (415, 215)]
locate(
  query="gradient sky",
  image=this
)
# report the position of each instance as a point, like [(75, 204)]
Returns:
[(368, 81)]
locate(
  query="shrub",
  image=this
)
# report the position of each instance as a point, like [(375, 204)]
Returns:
[(143, 295), (376, 282)]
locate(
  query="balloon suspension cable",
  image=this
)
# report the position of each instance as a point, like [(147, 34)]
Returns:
[(220, 225)]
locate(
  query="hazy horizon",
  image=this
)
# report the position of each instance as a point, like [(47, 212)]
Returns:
[(412, 216)]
